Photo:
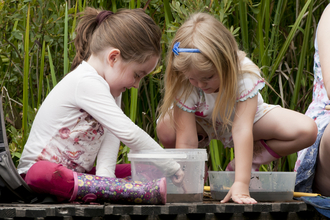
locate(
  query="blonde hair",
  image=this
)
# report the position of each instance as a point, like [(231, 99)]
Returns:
[(133, 32), (219, 51)]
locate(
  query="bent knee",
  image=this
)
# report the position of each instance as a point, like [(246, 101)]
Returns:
[(326, 137), (43, 175), (166, 135), (168, 140), (39, 176), (308, 132)]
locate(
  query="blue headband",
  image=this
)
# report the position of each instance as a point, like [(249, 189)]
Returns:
[(176, 50)]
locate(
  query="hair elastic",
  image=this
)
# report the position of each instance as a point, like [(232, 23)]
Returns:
[(102, 16), (176, 50)]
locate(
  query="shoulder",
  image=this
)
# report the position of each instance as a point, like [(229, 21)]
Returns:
[(325, 17), (250, 81), (86, 82), (85, 74), (323, 25), (188, 101), (248, 66)]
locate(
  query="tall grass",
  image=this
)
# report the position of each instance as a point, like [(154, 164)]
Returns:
[(244, 25), (302, 58), (26, 77), (41, 76), (36, 51), (65, 45)]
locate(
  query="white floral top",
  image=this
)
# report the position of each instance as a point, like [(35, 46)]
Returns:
[(80, 121), (202, 105)]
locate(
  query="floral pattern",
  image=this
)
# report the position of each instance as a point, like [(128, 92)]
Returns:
[(202, 104), (69, 145), (306, 161), (117, 190)]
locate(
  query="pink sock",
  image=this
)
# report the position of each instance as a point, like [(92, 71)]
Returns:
[(270, 150)]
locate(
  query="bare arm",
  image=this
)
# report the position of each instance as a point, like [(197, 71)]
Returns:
[(242, 132), (323, 36), (186, 133)]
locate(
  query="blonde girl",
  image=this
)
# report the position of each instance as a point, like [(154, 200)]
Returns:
[(212, 92)]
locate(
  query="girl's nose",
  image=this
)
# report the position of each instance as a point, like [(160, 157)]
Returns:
[(136, 83), (201, 84)]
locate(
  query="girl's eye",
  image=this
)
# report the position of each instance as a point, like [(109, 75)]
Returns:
[(136, 75), (207, 78)]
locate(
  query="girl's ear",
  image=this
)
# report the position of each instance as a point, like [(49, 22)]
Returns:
[(113, 56)]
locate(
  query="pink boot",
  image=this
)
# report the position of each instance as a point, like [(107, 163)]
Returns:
[(262, 155), (90, 188), (231, 166)]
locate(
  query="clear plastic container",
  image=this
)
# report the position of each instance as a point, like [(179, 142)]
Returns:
[(192, 162), (264, 186)]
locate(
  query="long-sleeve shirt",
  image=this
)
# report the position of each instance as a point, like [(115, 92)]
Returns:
[(80, 121)]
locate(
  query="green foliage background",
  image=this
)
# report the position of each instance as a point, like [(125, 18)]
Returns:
[(36, 50)]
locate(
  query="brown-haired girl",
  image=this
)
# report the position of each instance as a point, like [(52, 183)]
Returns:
[(81, 119)]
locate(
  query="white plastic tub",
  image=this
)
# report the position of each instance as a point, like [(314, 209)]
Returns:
[(264, 186), (192, 162)]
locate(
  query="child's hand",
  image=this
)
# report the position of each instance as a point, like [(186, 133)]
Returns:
[(239, 193), (177, 178)]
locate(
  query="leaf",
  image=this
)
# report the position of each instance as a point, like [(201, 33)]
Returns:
[(16, 154), (17, 35), (157, 70)]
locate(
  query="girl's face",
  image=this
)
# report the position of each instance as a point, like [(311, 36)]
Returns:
[(127, 75), (206, 81)]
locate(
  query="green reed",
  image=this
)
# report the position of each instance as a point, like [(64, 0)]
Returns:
[(26, 77), (286, 44), (65, 44), (41, 75), (51, 66), (244, 24), (303, 54)]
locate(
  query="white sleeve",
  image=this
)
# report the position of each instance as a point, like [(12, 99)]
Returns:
[(249, 84), (93, 95), (189, 105), (107, 155)]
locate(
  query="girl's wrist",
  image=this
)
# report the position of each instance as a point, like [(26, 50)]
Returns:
[(242, 183)]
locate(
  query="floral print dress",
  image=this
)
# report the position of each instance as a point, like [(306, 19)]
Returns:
[(306, 161)]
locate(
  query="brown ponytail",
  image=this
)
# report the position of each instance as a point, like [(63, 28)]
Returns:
[(84, 32), (133, 32)]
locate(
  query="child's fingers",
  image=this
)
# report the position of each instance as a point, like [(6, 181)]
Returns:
[(240, 199), (248, 201), (184, 188), (227, 197), (177, 178), (244, 199), (251, 201)]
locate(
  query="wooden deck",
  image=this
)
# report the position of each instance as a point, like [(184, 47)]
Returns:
[(208, 210)]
